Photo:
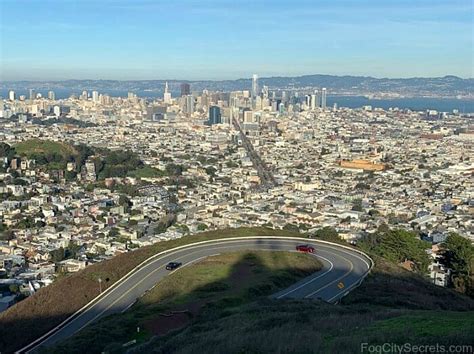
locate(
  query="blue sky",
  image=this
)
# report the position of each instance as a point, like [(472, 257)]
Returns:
[(204, 39)]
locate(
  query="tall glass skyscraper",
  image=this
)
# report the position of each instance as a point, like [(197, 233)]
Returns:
[(214, 115), (254, 86), (323, 98)]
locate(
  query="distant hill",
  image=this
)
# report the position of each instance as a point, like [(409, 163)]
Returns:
[(33, 147), (447, 86)]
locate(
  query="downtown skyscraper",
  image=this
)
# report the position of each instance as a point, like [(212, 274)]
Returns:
[(254, 86), (323, 98)]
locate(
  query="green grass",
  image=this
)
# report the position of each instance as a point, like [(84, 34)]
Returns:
[(420, 324), (215, 284), (37, 314), (230, 324), (218, 274), (147, 172), (392, 305), (37, 146)]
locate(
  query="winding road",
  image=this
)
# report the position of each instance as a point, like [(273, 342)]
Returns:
[(343, 269)]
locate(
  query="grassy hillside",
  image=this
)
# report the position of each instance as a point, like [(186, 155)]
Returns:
[(30, 148), (32, 317), (392, 304), (217, 282), (227, 316)]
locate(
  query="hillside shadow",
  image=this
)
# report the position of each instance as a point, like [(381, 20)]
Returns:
[(249, 280), (387, 287), (391, 286)]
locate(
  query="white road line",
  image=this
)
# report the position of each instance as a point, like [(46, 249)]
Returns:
[(160, 255), (311, 280), (347, 289), (126, 308), (142, 280), (341, 277)]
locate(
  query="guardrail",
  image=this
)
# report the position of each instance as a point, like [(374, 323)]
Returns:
[(39, 340)]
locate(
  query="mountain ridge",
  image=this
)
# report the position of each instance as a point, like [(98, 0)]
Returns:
[(446, 86)]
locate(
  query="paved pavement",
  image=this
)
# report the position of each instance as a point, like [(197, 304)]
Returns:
[(342, 270)]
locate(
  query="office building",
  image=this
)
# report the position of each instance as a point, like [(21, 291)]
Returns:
[(323, 98), (214, 115), (315, 103), (189, 104), (185, 89), (95, 96), (167, 94), (51, 95), (156, 113), (11, 95), (254, 86), (248, 116), (32, 94)]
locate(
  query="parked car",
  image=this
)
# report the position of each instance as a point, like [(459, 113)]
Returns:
[(305, 248), (173, 265)]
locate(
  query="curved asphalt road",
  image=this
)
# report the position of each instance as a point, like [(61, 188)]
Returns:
[(342, 270)]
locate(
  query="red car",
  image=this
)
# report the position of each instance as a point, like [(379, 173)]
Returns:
[(305, 248)]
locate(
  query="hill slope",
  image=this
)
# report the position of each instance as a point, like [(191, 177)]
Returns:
[(392, 305), (32, 317)]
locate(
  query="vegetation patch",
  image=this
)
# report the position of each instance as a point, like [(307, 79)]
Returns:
[(218, 282), (34, 147), (49, 306)]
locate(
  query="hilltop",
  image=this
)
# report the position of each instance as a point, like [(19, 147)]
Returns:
[(390, 298), (446, 86), (34, 147), (202, 309)]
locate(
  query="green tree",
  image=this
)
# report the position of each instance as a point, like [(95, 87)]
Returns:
[(7, 151), (357, 205), (14, 288), (174, 169), (58, 255), (125, 202), (328, 233), (291, 227), (72, 249), (398, 246), (202, 227), (114, 232), (211, 171), (459, 256), (7, 235)]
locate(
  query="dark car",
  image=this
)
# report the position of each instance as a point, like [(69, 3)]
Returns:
[(173, 265), (305, 248)]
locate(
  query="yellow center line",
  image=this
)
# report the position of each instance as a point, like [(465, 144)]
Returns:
[(336, 280)]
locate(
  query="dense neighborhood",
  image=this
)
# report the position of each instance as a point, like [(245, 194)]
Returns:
[(86, 178)]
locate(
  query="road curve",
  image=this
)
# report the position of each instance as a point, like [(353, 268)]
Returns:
[(343, 269)]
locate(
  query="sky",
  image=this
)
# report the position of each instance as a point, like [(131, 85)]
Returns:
[(221, 39)]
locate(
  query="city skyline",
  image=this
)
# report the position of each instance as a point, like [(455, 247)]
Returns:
[(54, 40), (173, 169)]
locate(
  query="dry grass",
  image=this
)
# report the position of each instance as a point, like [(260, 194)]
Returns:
[(32, 317), (218, 282)]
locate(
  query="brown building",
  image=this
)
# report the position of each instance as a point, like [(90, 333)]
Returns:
[(362, 165)]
